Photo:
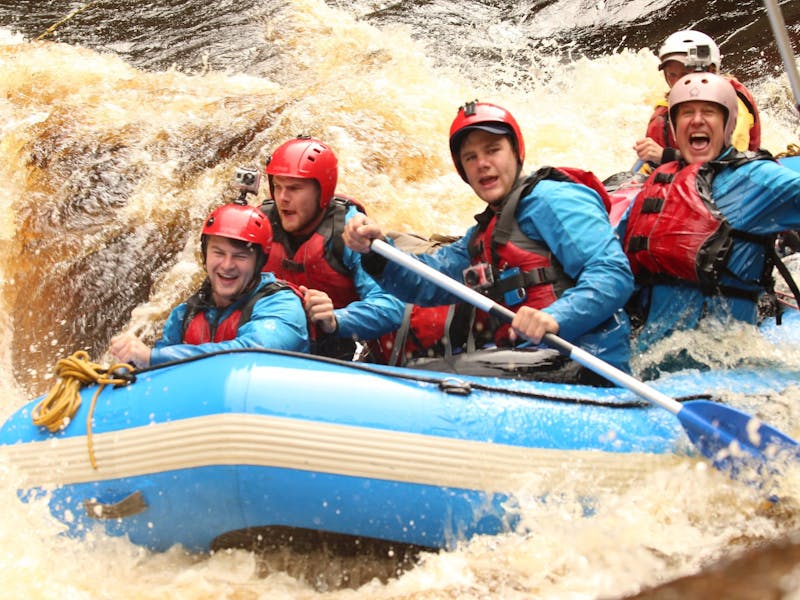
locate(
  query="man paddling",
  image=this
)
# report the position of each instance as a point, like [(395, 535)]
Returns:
[(543, 247)]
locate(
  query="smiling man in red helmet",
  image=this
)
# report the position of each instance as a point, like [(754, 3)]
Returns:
[(543, 246), (237, 306)]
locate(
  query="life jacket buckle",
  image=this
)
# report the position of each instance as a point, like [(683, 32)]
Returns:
[(514, 290)]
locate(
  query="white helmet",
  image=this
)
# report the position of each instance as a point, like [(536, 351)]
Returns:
[(693, 48)]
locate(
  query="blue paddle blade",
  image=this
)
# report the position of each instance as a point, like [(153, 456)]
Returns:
[(733, 439)]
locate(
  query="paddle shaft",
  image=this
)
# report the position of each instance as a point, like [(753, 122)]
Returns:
[(478, 300), (784, 46)]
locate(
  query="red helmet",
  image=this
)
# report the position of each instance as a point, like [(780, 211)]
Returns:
[(306, 158), (240, 222), (488, 117), (710, 88)]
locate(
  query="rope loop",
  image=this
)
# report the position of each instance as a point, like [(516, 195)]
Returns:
[(791, 150), (56, 409)]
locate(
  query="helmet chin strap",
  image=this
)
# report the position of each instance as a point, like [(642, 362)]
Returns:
[(261, 260), (495, 206)]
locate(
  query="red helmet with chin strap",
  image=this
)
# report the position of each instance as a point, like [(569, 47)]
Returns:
[(239, 222), (306, 158), (487, 117)]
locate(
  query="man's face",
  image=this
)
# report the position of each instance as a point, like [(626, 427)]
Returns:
[(673, 71), (230, 267), (699, 130), (490, 164), (297, 201)]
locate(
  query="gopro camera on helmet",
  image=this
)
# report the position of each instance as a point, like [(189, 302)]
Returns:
[(248, 179), (699, 57)]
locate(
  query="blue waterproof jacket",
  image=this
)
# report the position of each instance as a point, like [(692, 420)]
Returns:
[(376, 312), (278, 321), (761, 197), (571, 220)]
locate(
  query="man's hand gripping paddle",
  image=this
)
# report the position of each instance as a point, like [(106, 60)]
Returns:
[(732, 439)]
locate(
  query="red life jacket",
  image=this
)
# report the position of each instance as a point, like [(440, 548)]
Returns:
[(750, 103), (658, 128), (198, 330), (318, 261), (499, 242), (421, 333), (422, 330), (675, 229)]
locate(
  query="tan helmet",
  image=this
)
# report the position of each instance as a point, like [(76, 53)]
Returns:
[(707, 87)]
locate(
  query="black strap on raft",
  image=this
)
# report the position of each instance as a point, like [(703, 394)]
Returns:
[(411, 375)]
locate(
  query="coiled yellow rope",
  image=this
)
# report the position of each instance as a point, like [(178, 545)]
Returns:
[(56, 409), (791, 150)]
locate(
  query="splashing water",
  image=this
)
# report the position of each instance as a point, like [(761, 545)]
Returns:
[(107, 171)]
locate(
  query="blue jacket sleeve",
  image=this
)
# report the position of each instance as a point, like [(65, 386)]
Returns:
[(572, 221), (761, 197), (172, 332), (278, 322), (376, 312), (410, 287)]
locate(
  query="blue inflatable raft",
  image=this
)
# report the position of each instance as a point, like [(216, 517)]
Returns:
[(242, 445), (250, 442)]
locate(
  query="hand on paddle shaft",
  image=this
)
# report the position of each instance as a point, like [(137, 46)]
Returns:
[(527, 322), (731, 438)]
